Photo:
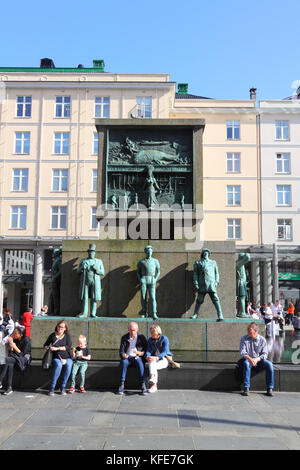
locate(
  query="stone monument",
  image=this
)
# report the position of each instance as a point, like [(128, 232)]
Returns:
[(148, 166)]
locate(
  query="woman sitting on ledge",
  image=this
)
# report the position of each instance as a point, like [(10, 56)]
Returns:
[(18, 354), (157, 350), (60, 344)]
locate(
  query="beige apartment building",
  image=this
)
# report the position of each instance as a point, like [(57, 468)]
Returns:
[(48, 161), (280, 188), (230, 166)]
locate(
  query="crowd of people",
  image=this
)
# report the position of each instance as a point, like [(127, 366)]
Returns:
[(135, 350), (68, 361), (272, 312)]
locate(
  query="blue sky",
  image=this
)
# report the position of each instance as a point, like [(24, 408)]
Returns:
[(220, 48)]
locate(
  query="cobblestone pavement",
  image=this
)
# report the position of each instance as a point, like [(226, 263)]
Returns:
[(167, 420)]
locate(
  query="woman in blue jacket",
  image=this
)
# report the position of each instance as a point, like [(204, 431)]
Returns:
[(157, 350)]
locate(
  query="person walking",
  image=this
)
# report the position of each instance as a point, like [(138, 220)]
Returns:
[(26, 321)]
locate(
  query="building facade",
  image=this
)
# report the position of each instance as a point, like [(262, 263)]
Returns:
[(230, 166), (48, 170), (279, 148)]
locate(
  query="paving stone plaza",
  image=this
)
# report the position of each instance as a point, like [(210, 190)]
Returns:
[(169, 420)]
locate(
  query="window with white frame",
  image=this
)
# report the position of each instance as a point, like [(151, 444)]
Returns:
[(233, 162), (144, 107), (59, 217), (60, 180), (283, 194), (95, 143), (24, 106), (233, 195), (233, 130), (234, 229), (102, 106), (94, 221), (20, 179), (94, 180), (282, 130), (284, 229), (18, 216), (61, 143), (22, 143), (283, 163), (63, 106)]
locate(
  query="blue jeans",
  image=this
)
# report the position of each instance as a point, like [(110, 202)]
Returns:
[(264, 364), (57, 369), (132, 361)]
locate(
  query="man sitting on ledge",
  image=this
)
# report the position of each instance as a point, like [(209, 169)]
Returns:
[(254, 353), (132, 351)]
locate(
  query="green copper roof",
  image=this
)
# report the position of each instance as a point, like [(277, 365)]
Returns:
[(53, 70)]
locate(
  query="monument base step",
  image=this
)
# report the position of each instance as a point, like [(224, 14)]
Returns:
[(191, 376)]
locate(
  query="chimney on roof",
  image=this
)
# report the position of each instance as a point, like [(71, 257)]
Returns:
[(253, 94), (183, 88), (98, 64), (47, 64)]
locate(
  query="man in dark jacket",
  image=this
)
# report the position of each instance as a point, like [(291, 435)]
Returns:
[(132, 352)]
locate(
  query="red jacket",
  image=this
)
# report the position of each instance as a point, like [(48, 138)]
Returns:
[(26, 321)]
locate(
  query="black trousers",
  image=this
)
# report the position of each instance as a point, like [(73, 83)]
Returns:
[(8, 367)]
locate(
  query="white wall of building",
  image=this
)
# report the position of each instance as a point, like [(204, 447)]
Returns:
[(272, 177)]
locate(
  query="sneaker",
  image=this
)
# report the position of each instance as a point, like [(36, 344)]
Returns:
[(245, 393), (63, 392), (143, 389), (71, 390), (9, 391), (269, 392), (153, 389), (51, 392), (121, 389), (82, 390)]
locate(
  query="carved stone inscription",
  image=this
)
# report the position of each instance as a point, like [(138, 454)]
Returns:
[(150, 167)]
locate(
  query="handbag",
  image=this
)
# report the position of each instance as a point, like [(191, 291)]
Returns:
[(47, 359)]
